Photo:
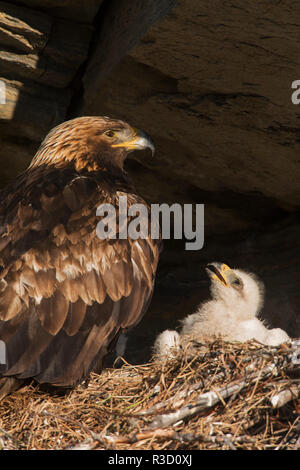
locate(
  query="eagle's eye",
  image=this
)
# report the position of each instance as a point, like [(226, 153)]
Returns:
[(110, 134), (237, 282)]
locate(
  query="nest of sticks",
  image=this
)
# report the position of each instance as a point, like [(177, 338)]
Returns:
[(211, 395)]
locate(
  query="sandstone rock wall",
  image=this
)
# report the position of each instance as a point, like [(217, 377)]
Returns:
[(42, 47), (211, 82)]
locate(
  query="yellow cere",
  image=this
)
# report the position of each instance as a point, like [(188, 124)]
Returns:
[(225, 267)]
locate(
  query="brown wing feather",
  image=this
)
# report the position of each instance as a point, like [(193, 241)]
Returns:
[(52, 312), (26, 345), (64, 294), (75, 317)]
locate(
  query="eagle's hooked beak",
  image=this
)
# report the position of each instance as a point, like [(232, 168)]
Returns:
[(216, 272), (140, 141)]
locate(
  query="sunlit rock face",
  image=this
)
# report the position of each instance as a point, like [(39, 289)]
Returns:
[(42, 47), (211, 82)]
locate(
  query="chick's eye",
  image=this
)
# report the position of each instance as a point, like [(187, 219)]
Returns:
[(237, 282), (110, 134)]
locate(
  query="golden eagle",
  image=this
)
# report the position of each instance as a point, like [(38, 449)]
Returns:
[(65, 293)]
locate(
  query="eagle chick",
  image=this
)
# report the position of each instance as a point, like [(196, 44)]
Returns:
[(237, 298)]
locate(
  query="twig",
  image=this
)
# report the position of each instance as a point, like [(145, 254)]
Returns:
[(86, 445), (16, 441), (93, 434), (176, 436), (283, 397), (207, 400), (179, 396)]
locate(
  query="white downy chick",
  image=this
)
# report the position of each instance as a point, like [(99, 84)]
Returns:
[(237, 298), (166, 344)]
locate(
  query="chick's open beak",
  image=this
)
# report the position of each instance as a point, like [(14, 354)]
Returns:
[(140, 141), (217, 272)]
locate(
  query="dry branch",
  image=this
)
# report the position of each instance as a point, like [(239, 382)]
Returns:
[(283, 397), (207, 400)]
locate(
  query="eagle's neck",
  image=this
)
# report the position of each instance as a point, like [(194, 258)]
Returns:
[(75, 157), (81, 160)]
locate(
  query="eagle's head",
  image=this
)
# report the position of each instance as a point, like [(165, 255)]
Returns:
[(240, 291), (91, 142)]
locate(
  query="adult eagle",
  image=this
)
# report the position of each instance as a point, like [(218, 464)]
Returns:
[(65, 293)]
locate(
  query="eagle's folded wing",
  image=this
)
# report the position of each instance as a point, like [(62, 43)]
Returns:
[(65, 294)]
